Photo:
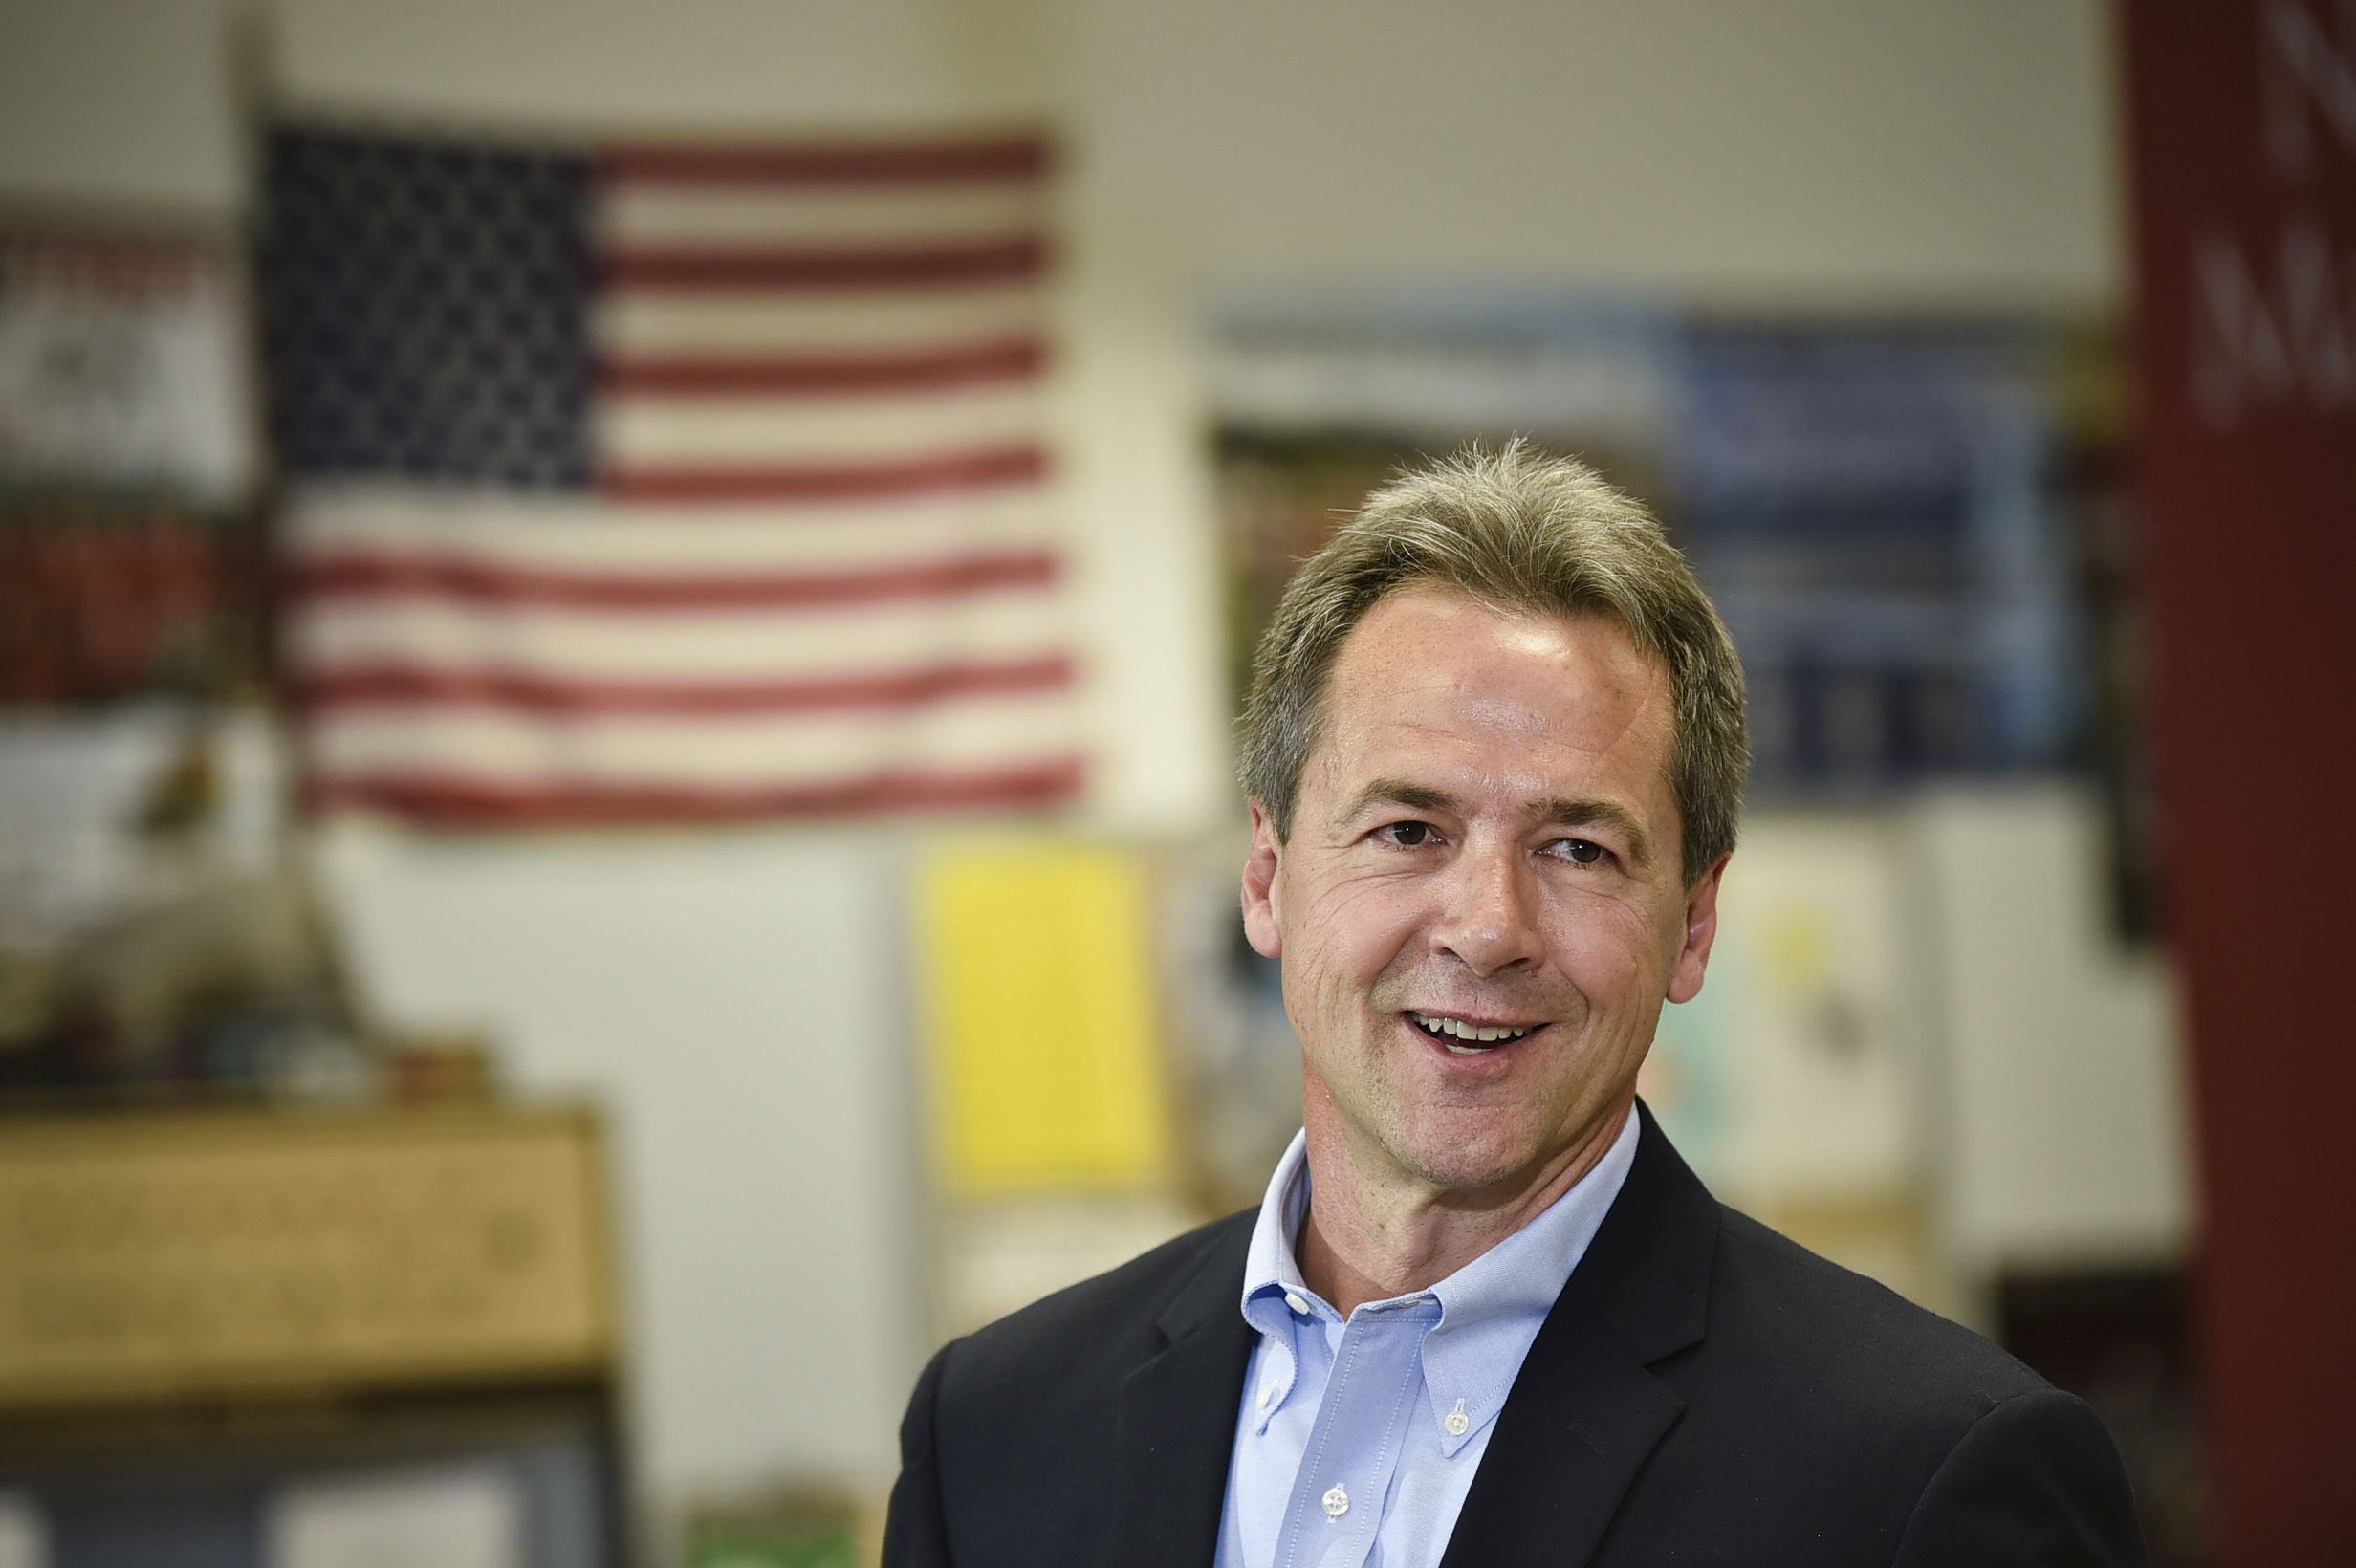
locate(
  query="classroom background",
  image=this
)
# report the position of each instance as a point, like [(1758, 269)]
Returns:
[(619, 631)]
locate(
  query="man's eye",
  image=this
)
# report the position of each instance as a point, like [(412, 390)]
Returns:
[(1409, 835), (1583, 851)]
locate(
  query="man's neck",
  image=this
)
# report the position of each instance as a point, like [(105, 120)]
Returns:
[(1374, 1231)]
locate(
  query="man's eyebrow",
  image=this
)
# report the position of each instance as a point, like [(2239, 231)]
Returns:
[(1598, 814), (1397, 792)]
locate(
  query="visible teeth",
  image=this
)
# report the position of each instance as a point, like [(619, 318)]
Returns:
[(1480, 1034)]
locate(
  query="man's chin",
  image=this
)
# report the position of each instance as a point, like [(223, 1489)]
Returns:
[(1468, 1158), (1462, 1167)]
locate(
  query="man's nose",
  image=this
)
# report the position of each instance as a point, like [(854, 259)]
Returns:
[(1488, 918)]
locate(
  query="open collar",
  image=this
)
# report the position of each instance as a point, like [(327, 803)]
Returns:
[(1583, 1415), (1488, 1311)]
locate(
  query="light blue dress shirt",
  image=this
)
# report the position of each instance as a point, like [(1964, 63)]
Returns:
[(1356, 1440)]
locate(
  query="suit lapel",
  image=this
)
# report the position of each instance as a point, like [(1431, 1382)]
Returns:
[(1554, 1472), (1585, 1412), (1177, 1420)]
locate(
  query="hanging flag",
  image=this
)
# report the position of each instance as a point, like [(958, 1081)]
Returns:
[(667, 483)]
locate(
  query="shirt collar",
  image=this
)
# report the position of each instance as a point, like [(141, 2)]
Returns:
[(1490, 1310)]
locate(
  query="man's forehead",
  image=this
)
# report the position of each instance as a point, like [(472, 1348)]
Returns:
[(1427, 644), (1447, 694), (1395, 622)]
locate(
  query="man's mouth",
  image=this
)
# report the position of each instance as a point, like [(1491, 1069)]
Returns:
[(1468, 1040)]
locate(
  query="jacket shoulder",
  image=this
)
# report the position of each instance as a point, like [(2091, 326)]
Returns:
[(1775, 1302), (1818, 1405), (1101, 1326), (1009, 1446), (1817, 1408)]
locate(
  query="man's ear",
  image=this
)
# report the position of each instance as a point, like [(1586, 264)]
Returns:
[(1701, 930), (1259, 886)]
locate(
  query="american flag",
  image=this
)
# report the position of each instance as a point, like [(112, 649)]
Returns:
[(666, 483)]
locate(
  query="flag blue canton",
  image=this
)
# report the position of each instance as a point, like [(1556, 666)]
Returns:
[(427, 309)]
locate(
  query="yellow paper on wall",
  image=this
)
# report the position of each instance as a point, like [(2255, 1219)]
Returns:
[(1039, 1020)]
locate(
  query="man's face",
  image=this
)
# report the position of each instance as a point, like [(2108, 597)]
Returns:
[(1481, 908)]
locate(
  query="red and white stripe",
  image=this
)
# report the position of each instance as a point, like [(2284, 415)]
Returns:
[(821, 323), (820, 573)]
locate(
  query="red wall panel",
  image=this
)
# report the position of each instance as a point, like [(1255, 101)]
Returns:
[(2242, 148)]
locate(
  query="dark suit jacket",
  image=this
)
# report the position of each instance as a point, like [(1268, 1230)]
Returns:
[(1704, 1391)]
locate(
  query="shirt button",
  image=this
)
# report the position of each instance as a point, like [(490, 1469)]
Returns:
[(1265, 1394), (1456, 1421), (1337, 1502), (1292, 1301)]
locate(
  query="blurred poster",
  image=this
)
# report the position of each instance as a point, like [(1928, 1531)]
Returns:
[(1041, 1047), (1870, 508), (1595, 372), (121, 365), (671, 483), (465, 1515), (1321, 398), (1887, 512), (1793, 1082), (101, 601)]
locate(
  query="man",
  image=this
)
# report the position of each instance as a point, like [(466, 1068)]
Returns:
[(1494, 756)]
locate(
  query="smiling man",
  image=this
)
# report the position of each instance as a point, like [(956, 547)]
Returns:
[(1494, 756)]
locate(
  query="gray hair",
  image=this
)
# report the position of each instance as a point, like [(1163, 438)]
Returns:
[(1519, 531)]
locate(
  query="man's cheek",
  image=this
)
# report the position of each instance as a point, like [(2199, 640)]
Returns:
[(1609, 937), (1371, 921)]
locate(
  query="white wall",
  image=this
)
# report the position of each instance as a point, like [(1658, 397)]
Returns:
[(734, 998), (1936, 149), (597, 64), (731, 1001), (1939, 149), (2062, 1101), (127, 100)]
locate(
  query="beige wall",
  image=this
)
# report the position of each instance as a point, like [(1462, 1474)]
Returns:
[(1939, 149), (1936, 149)]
